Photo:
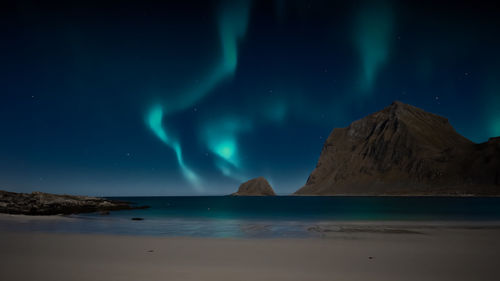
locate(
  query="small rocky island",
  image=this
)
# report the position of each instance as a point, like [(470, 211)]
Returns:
[(255, 187), (39, 203)]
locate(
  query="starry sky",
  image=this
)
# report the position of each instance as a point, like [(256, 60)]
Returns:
[(194, 97)]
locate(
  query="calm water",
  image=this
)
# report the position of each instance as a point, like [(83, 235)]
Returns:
[(291, 216)]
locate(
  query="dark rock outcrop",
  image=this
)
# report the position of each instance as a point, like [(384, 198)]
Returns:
[(255, 187), (403, 150), (39, 203)]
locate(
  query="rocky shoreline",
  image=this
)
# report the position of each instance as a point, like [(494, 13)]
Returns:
[(39, 203)]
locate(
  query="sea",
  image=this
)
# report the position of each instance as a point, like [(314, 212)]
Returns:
[(267, 217)]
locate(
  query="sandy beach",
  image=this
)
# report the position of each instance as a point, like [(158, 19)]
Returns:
[(465, 253)]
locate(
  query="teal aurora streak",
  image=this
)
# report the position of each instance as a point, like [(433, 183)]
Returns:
[(232, 23)]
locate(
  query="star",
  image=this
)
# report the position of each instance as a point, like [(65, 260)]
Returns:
[(437, 100)]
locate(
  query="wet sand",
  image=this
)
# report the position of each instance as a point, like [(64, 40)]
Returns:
[(428, 253)]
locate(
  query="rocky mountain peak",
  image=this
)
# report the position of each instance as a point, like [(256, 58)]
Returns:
[(401, 150), (255, 187)]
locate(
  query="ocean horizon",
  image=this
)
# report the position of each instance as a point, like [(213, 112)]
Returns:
[(266, 217)]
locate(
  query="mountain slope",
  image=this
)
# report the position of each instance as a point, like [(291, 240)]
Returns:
[(403, 150)]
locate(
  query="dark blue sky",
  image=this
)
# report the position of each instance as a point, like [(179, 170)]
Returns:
[(193, 97)]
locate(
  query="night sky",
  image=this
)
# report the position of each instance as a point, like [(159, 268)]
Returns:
[(194, 97)]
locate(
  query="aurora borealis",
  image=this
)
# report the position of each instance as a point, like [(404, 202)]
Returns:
[(193, 97), (232, 22)]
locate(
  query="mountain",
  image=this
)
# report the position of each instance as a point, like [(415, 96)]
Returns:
[(39, 203), (255, 187), (403, 150)]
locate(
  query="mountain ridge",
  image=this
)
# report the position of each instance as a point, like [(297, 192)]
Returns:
[(404, 150)]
